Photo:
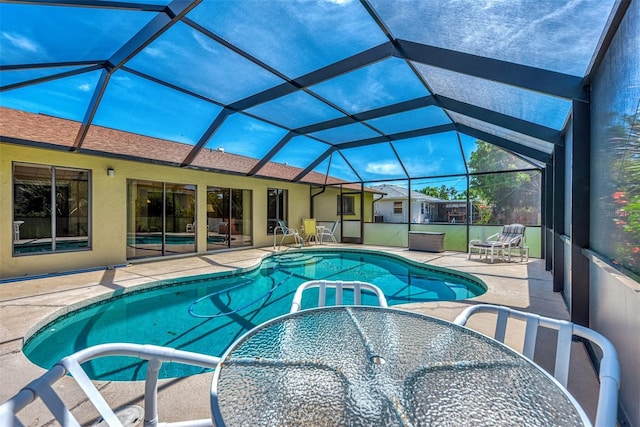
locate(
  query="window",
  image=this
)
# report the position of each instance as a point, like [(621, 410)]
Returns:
[(160, 219), (50, 209), (277, 207), (229, 218), (397, 208), (348, 205)]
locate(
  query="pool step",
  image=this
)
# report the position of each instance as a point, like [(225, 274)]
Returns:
[(296, 260)]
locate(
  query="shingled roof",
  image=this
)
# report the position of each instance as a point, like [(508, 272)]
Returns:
[(51, 132)]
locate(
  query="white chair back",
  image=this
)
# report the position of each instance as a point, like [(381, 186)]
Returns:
[(71, 365), (286, 231), (609, 372), (340, 287), (329, 232)]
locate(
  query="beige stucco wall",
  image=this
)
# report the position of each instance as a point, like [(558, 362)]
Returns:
[(325, 211), (325, 208), (108, 214), (324, 204), (613, 311)]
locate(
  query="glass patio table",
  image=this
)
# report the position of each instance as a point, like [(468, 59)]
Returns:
[(367, 366)]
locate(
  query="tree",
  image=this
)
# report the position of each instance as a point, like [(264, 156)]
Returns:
[(509, 197), (443, 192)]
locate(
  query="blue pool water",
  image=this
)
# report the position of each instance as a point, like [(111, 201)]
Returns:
[(170, 239), (208, 313), (45, 246)]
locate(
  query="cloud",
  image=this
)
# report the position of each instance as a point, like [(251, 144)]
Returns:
[(338, 2), (256, 126), (434, 166), (205, 43), (123, 81), (429, 148), (559, 13), (154, 52), (384, 168), (84, 87), (491, 3), (22, 43)]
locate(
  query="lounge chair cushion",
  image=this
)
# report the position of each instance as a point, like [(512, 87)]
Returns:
[(511, 234)]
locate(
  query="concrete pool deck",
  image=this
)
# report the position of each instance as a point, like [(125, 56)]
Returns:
[(25, 303)]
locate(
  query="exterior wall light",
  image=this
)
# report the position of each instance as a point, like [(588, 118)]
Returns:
[(111, 172)]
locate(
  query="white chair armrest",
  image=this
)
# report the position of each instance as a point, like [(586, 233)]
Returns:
[(493, 237)]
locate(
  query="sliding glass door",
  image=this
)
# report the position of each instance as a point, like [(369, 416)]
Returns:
[(160, 219), (229, 218)]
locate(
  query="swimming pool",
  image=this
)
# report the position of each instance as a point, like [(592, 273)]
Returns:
[(208, 313)]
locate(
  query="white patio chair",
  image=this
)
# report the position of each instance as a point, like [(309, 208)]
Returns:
[(325, 231), (609, 372), (501, 243), (286, 232), (339, 286), (155, 355)]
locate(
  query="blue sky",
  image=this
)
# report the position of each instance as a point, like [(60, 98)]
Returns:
[(295, 38)]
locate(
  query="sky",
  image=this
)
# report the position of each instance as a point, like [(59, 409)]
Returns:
[(291, 39)]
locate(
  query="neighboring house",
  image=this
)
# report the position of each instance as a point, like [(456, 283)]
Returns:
[(455, 211), (394, 206)]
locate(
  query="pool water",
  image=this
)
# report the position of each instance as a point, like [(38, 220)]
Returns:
[(206, 314), (45, 245), (170, 239)]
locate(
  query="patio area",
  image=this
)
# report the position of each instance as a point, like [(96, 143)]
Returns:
[(521, 285), (186, 129)]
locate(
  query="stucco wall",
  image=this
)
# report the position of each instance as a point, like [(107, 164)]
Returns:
[(108, 206), (326, 205), (614, 311)]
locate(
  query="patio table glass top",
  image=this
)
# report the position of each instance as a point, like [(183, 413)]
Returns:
[(377, 366)]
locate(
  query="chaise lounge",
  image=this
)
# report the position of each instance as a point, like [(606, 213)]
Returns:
[(501, 243)]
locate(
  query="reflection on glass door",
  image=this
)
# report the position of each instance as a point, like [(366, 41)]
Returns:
[(277, 207), (160, 219), (180, 219), (229, 221), (217, 218), (72, 209), (51, 207), (32, 208)]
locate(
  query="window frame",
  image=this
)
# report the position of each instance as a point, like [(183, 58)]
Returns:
[(281, 205), (53, 202), (165, 214), (348, 205), (228, 213)]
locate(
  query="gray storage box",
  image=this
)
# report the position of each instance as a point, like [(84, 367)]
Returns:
[(426, 241)]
